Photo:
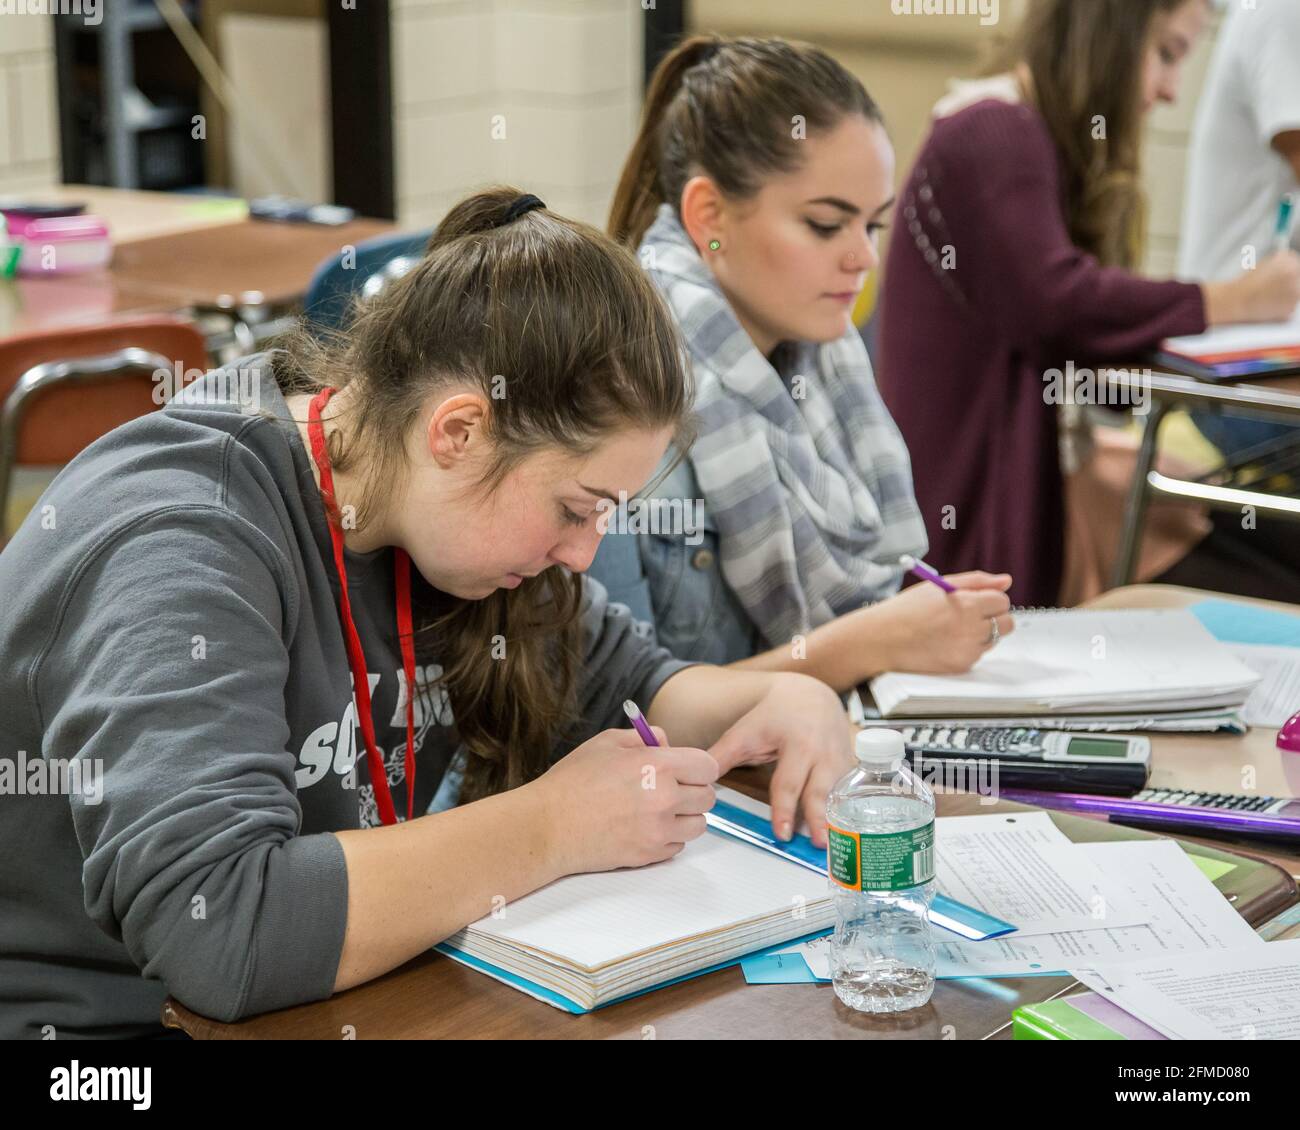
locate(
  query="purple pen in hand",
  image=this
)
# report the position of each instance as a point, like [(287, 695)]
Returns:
[(638, 721), (922, 570)]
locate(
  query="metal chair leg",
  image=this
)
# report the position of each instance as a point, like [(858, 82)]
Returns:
[(1139, 494)]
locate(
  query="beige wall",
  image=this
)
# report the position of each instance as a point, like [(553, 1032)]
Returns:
[(562, 77), (279, 139), (905, 61), (29, 131), (276, 55)]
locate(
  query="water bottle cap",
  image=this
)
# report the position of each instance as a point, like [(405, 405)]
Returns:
[(880, 747)]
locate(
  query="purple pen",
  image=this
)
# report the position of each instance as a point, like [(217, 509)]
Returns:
[(922, 570), (638, 721)]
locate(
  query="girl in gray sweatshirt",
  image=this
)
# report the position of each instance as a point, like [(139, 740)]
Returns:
[(244, 637)]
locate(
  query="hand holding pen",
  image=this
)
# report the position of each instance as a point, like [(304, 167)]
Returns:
[(945, 625)]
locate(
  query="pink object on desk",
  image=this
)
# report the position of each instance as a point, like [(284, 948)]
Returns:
[(60, 245), (1288, 737)]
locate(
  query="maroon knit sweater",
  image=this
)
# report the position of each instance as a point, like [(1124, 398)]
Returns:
[(964, 349)]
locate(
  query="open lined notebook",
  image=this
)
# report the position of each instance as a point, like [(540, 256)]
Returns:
[(1081, 662), (589, 940)]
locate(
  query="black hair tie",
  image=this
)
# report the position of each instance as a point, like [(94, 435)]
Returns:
[(521, 205)]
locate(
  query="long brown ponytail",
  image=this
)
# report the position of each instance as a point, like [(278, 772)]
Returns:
[(727, 108), (567, 339)]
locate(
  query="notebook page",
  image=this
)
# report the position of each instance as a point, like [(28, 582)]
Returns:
[(1106, 656), (592, 920)]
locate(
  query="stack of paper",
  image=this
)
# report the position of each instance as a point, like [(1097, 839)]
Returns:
[(1182, 912), (1023, 868), (1251, 992), (1079, 906), (1266, 641), (1082, 662), (1156, 938)]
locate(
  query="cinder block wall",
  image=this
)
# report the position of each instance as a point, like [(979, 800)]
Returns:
[(541, 93), (29, 132)]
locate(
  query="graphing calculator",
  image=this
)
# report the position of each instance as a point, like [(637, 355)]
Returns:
[(1030, 758), (1024, 742)]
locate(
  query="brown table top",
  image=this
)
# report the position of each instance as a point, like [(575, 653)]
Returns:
[(433, 997), (247, 257), (204, 264)]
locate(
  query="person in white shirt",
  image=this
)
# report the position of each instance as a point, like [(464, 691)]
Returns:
[(1244, 157)]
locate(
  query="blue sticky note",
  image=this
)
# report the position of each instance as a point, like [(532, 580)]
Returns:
[(777, 969), (1241, 623)]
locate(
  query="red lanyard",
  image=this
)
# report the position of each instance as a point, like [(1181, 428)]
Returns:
[(356, 657)]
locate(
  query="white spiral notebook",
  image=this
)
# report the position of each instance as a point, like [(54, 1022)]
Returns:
[(1080, 661)]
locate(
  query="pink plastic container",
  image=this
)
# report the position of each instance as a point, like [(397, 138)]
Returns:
[(63, 245)]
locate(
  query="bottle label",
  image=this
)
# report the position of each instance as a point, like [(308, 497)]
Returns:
[(888, 861)]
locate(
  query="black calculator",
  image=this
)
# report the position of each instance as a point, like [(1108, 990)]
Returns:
[(1029, 758)]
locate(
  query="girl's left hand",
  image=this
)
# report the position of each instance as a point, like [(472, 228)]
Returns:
[(801, 724)]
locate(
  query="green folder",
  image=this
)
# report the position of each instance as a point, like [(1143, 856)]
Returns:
[(1085, 1016)]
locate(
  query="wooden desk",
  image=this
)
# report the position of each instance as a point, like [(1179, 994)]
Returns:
[(169, 255), (134, 214), (433, 997)]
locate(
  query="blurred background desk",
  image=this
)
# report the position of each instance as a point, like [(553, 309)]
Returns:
[(180, 253)]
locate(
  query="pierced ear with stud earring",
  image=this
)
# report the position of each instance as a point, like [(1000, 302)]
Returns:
[(714, 244)]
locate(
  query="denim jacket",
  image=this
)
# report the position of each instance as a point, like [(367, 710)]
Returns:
[(672, 580)]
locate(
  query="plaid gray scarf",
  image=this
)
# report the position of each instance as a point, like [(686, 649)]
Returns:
[(803, 471)]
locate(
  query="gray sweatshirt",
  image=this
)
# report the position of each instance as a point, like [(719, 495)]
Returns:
[(177, 725)]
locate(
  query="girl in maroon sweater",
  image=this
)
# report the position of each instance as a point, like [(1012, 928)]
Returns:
[(1018, 230)]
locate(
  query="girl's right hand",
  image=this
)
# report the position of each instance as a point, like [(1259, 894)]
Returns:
[(928, 631), (616, 802), (1269, 293)]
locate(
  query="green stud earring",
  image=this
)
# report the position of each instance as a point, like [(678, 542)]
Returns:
[(714, 244)]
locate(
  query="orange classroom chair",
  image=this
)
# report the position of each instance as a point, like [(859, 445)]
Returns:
[(61, 389)]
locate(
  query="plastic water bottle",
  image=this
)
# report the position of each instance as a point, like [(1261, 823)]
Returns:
[(881, 867)]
